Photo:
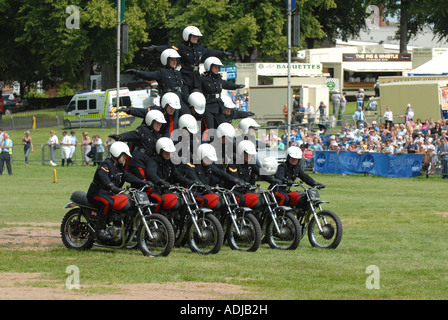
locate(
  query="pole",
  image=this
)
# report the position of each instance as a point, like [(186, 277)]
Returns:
[(117, 104), (289, 73)]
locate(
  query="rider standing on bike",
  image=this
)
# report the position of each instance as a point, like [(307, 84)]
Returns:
[(107, 182), (162, 172), (288, 172), (245, 168)]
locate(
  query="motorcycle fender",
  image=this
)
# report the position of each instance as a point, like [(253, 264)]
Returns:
[(244, 209), (284, 208), (206, 210), (70, 205)]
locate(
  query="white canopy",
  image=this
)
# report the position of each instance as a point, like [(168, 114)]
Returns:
[(436, 66)]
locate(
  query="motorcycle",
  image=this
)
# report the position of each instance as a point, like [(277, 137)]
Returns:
[(242, 230), (282, 230), (324, 227), (133, 226), (196, 226)]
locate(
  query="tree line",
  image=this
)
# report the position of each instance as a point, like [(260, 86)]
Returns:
[(68, 40)]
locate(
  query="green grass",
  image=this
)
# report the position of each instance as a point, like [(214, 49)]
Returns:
[(395, 224)]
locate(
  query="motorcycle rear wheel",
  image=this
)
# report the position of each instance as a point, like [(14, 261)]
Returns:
[(331, 234), (250, 235), (162, 241), (75, 232), (210, 238), (290, 232)]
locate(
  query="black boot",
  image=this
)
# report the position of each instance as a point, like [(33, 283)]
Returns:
[(63, 161)]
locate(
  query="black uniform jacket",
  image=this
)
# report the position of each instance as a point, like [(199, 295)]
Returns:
[(160, 169), (212, 85), (287, 171), (110, 173)]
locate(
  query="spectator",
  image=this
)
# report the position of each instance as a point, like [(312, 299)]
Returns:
[(412, 146), (65, 148), (87, 145), (359, 117), (53, 144), (409, 113), (73, 144), (360, 98), (99, 150), (5, 153), (388, 117), (322, 112), (300, 113), (311, 113), (399, 149), (28, 146)]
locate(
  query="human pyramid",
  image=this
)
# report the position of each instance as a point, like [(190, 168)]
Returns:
[(189, 140)]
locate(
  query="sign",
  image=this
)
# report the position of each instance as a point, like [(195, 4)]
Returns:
[(231, 72), (376, 57), (379, 164), (281, 69)]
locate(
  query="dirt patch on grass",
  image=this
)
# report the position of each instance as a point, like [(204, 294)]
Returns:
[(41, 236), (32, 286), (443, 214)]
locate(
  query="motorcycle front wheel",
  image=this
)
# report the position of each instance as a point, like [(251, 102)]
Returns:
[(161, 240), (75, 232), (331, 234), (289, 232), (209, 236), (246, 235)]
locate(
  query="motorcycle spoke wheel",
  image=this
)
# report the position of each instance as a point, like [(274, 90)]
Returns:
[(249, 236), (75, 232), (162, 241), (210, 237), (289, 234), (331, 234)]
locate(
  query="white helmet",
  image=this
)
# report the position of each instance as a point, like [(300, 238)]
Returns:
[(172, 99), (188, 122), (269, 165), (197, 100), (165, 144), (246, 123), (206, 150), (225, 129), (118, 148), (191, 30), (154, 115), (212, 60), (168, 53), (228, 103), (246, 146), (294, 152)]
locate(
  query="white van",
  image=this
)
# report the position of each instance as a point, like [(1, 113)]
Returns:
[(96, 108)]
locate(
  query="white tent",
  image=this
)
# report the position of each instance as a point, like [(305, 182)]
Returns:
[(436, 66)]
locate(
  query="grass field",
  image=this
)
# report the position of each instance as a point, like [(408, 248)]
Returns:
[(393, 226), (396, 225)]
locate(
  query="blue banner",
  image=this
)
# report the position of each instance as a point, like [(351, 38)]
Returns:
[(384, 165)]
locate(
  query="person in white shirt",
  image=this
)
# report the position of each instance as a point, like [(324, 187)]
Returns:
[(53, 143), (66, 142), (388, 118), (311, 113)]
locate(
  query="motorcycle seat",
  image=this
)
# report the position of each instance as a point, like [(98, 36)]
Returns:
[(80, 198)]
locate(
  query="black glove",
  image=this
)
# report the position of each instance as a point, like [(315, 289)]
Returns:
[(250, 114), (115, 189), (116, 137), (320, 186), (227, 53), (125, 109), (131, 71), (240, 86), (164, 184), (289, 182), (150, 48), (149, 184), (239, 183)]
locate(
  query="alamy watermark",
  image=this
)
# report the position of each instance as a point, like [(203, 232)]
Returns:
[(72, 22), (373, 280), (72, 281)]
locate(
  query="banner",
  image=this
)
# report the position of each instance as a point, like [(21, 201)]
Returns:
[(379, 164)]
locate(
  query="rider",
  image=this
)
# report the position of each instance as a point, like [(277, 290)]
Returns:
[(168, 77), (288, 172), (163, 173), (208, 174), (245, 168), (107, 182), (143, 140)]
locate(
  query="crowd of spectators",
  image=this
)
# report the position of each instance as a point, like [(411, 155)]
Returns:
[(427, 138)]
